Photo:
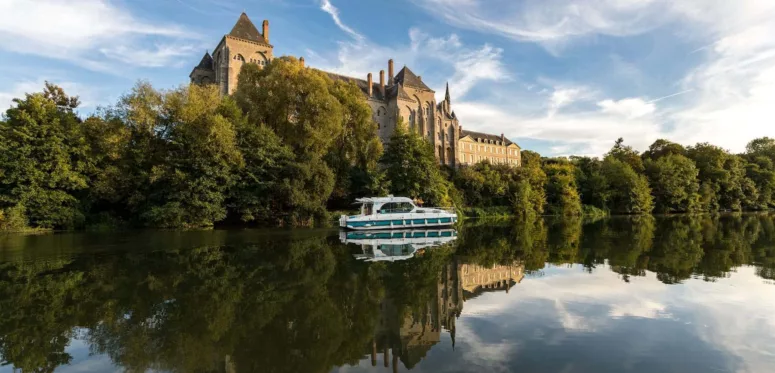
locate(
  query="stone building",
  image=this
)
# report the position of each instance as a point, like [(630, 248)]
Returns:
[(402, 97)]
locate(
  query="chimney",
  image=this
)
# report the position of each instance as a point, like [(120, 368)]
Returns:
[(390, 71), (503, 139), (266, 30), (301, 61), (368, 77), (382, 82)]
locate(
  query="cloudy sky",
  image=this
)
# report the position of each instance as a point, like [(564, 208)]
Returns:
[(557, 76)]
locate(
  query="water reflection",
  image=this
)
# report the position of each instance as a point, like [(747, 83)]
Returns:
[(688, 294), (399, 244)]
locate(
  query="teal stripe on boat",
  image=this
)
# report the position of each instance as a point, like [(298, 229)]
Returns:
[(419, 221)]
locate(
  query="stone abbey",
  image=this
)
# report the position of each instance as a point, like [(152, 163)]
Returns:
[(401, 96)]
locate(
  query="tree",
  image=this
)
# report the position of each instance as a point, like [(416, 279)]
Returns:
[(592, 184), (627, 155), (628, 192), (662, 148), (760, 169), (721, 178), (533, 173), (180, 156), (561, 195), (411, 166), (43, 159), (355, 154), (295, 102), (674, 185)]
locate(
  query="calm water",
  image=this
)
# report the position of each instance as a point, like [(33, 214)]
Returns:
[(673, 294)]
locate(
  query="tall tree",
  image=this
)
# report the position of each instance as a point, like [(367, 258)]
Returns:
[(43, 159), (562, 196), (628, 192), (413, 171), (626, 154), (674, 185)]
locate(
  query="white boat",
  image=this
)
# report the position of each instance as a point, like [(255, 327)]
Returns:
[(392, 245), (396, 212)]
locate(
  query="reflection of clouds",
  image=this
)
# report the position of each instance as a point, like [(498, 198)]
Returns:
[(731, 321), (486, 356), (738, 315)]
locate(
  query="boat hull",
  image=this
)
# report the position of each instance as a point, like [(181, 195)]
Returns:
[(398, 222)]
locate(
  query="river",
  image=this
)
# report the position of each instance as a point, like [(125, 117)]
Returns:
[(665, 294)]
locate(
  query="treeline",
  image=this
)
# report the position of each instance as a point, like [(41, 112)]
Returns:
[(666, 178), (290, 145), (287, 147)]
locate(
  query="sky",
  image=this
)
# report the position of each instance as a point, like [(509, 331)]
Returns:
[(559, 77)]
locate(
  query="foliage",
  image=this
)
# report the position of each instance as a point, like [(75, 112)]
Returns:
[(562, 197), (43, 159), (627, 155), (673, 180), (628, 192), (411, 167)]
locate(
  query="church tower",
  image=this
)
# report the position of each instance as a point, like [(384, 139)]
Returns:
[(244, 44)]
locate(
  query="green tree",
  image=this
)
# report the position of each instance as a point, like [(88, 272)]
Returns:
[(561, 195), (295, 102), (592, 184), (189, 187), (411, 166), (532, 171), (43, 159), (626, 154), (722, 178), (355, 154), (628, 192), (662, 148), (760, 168), (674, 185)]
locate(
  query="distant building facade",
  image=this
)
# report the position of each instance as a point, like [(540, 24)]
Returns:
[(401, 97)]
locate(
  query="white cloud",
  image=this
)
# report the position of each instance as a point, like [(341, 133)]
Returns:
[(329, 8), (562, 97), (469, 65), (629, 108), (726, 99), (89, 33)]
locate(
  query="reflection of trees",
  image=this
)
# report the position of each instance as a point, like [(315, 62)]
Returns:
[(38, 310), (675, 247), (278, 306)]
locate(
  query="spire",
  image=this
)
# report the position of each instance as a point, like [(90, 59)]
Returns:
[(446, 96)]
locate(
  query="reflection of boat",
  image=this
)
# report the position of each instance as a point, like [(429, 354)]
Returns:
[(396, 244), (396, 212)]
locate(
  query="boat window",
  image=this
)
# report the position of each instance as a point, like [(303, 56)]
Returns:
[(368, 209), (396, 207)]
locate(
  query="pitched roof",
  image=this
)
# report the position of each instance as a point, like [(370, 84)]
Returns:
[(244, 29), (362, 84), (484, 136), (206, 62), (397, 90), (407, 77)]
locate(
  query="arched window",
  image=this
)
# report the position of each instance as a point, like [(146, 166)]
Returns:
[(239, 57)]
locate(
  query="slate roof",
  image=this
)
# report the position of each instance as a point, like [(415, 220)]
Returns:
[(244, 29), (407, 77), (361, 83), (484, 136), (206, 62)]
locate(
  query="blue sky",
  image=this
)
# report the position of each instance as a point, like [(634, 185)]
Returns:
[(557, 76)]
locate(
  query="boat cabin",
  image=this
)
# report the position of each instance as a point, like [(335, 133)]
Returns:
[(386, 205)]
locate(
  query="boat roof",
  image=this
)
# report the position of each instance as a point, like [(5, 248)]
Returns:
[(383, 199)]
